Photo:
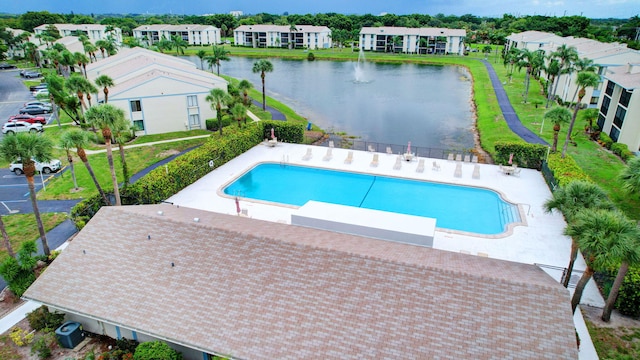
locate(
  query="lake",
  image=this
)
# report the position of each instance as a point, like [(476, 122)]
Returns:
[(428, 105)]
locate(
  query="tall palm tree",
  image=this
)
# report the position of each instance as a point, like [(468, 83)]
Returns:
[(571, 198), (67, 61), (219, 54), (104, 81), (590, 115), (121, 132), (90, 50), (532, 60), (627, 251), (179, 44), (602, 235), (6, 240), (557, 116), (80, 140), (553, 71), (263, 67), (67, 144), (218, 98), (102, 45), (245, 86), (630, 176), (80, 86), (566, 55), (201, 54), (585, 79), (28, 147), (82, 60), (106, 117), (239, 112), (164, 44)]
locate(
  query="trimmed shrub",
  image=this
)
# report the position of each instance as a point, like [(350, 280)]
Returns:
[(41, 319), (628, 302), (311, 57), (156, 350), (605, 140), (524, 154), (621, 150), (212, 124), (565, 170)]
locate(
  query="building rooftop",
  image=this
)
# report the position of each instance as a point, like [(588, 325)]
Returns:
[(282, 291), (282, 28)]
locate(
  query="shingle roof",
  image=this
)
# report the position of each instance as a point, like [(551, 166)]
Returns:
[(262, 290)]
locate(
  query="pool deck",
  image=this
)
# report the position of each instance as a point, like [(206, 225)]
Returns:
[(540, 241)]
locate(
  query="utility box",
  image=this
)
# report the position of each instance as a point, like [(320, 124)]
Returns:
[(70, 334)]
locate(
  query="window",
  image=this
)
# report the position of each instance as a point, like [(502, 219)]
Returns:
[(625, 96), (610, 87), (192, 101), (194, 120), (135, 105), (139, 125), (614, 134), (618, 119), (601, 120), (604, 108)]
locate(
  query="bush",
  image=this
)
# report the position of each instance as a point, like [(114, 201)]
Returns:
[(621, 150), (524, 154), (19, 273), (565, 170), (605, 140), (41, 347), (21, 337), (42, 319), (156, 350), (628, 302), (212, 124), (311, 57)]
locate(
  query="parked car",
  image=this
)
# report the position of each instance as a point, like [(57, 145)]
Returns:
[(44, 167), (5, 66), (34, 110), (32, 74), (39, 103), (28, 118), (33, 88), (13, 127), (44, 92)]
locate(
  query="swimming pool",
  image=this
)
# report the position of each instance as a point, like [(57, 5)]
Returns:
[(462, 208)]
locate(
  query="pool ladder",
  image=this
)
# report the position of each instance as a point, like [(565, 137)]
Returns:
[(285, 160), (509, 213)]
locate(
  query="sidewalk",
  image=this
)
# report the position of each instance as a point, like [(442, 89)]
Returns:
[(91, 152)]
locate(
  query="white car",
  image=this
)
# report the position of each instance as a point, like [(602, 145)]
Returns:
[(39, 92), (44, 167), (13, 127)]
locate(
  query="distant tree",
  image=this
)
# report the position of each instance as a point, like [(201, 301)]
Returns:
[(105, 82), (263, 67), (201, 54), (219, 54), (245, 86), (179, 44)]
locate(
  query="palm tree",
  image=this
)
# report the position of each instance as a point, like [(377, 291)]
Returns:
[(5, 239), (566, 55), (102, 45), (590, 115), (80, 86), (82, 60), (552, 70), (201, 54), (121, 131), (28, 147), (557, 116), (67, 144), (571, 198), (532, 60), (219, 54), (179, 44), (90, 49), (218, 98), (585, 79), (164, 44), (263, 67), (80, 140), (239, 112), (627, 251), (602, 235), (107, 117), (245, 86), (630, 176), (104, 81)]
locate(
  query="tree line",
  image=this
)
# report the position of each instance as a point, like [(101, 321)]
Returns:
[(346, 28)]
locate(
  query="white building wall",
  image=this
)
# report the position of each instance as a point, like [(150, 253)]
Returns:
[(630, 132)]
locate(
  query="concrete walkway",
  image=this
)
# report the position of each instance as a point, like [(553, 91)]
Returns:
[(275, 114), (508, 112), (91, 152)]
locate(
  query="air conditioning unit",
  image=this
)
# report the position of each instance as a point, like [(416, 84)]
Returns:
[(70, 334)]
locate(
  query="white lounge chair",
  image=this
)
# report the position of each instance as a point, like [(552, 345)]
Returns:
[(374, 161), (349, 158), (329, 155), (476, 172), (436, 166), (450, 157), (420, 167), (371, 148), (458, 157), (308, 155), (398, 164), (474, 159), (458, 172), (389, 151), (467, 158)]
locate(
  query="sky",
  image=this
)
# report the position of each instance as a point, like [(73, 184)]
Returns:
[(493, 8)]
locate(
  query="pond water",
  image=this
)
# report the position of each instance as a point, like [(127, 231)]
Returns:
[(391, 103)]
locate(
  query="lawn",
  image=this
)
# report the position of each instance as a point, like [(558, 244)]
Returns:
[(22, 227)]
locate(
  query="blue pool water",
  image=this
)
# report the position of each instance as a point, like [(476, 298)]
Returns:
[(454, 207)]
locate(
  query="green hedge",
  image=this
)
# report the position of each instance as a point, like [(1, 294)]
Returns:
[(524, 154), (156, 350), (621, 150), (163, 182), (212, 124), (565, 170), (628, 302), (605, 140)]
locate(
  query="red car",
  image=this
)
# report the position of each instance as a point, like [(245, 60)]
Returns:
[(28, 118)]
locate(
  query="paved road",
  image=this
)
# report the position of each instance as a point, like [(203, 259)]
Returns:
[(13, 94), (508, 112)]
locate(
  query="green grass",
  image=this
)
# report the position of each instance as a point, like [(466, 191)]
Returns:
[(22, 227), (615, 343)]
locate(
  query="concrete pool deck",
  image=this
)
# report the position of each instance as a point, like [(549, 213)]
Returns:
[(540, 241)]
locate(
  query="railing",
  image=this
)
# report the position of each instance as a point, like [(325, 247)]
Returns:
[(419, 151)]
